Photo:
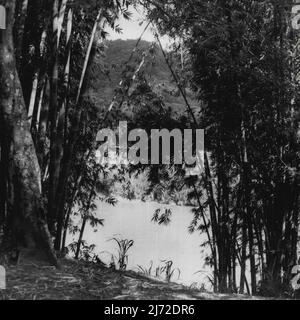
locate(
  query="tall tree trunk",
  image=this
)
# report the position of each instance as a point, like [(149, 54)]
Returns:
[(22, 7), (233, 252), (65, 230), (53, 119), (3, 178), (80, 237), (33, 97), (69, 150), (84, 220), (75, 191), (295, 223), (29, 218), (210, 240), (247, 208), (243, 281), (62, 118), (243, 256)]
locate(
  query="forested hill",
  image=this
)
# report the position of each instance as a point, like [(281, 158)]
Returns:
[(112, 65)]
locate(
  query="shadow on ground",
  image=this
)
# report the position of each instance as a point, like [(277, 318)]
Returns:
[(84, 281)]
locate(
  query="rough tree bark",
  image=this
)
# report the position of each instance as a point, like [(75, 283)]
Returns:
[(29, 225)]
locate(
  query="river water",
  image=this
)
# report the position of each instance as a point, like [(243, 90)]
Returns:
[(152, 242)]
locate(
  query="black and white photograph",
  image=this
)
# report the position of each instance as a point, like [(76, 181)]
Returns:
[(150, 151)]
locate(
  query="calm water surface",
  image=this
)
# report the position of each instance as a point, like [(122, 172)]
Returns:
[(132, 220)]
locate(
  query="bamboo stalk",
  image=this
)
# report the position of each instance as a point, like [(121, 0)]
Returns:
[(38, 116), (209, 187), (53, 118), (68, 152), (60, 19), (33, 97), (88, 53)]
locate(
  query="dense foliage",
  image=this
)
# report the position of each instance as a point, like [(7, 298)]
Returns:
[(233, 70)]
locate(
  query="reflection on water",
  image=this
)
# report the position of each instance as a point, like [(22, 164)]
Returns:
[(132, 220)]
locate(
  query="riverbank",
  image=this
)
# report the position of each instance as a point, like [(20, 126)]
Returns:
[(86, 281)]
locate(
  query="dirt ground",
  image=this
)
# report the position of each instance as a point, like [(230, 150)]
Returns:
[(85, 281)]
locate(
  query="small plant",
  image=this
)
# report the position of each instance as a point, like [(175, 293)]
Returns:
[(112, 264), (146, 272), (98, 261), (123, 248), (158, 272), (195, 286), (165, 271), (168, 271), (86, 252), (208, 276)]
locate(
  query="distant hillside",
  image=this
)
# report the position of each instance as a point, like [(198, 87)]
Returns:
[(112, 65)]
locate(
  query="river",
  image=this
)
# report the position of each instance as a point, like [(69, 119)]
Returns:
[(152, 242)]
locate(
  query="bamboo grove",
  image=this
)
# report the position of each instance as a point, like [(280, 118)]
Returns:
[(239, 58), (47, 53)]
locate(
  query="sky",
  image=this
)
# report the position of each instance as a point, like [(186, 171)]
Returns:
[(133, 30)]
